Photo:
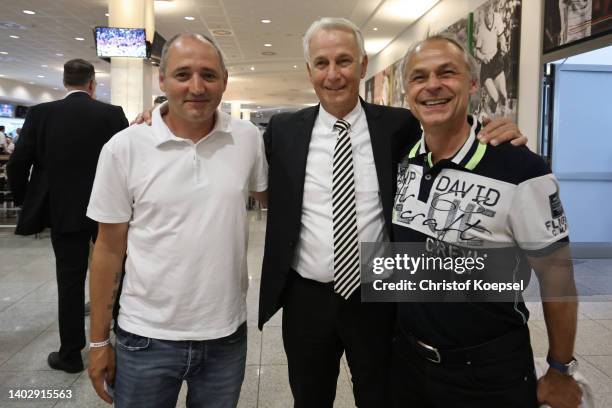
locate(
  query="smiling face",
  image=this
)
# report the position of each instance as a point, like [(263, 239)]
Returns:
[(335, 69), (439, 84), (193, 81)]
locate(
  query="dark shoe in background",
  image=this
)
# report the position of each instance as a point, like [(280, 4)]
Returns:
[(54, 360)]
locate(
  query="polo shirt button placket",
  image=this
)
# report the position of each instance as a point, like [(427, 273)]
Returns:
[(196, 164)]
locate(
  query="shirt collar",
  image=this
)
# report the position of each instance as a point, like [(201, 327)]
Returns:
[(468, 156), (163, 134), (330, 120), (75, 91)]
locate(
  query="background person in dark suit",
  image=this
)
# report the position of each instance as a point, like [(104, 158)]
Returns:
[(61, 141), (321, 318)]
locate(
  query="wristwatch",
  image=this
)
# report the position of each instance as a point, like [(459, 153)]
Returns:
[(567, 369)]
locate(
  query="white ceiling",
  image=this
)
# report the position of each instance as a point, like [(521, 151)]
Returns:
[(278, 80)]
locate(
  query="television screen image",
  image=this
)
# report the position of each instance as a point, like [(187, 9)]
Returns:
[(120, 42), (6, 110)]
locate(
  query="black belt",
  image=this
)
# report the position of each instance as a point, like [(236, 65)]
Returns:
[(492, 350)]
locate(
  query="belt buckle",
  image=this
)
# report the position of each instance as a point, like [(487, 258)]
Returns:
[(437, 357)]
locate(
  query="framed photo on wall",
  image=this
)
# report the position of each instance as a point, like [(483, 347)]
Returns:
[(567, 22)]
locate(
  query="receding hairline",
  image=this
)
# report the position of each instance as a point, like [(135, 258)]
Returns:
[(193, 36), (466, 57)]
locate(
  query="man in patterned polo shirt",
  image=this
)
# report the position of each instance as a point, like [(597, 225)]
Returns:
[(457, 196)]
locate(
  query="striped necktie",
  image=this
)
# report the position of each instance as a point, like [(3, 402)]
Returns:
[(346, 242)]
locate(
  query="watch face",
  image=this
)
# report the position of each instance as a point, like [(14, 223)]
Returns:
[(572, 367)]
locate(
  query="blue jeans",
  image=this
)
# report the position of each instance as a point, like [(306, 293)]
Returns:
[(150, 372)]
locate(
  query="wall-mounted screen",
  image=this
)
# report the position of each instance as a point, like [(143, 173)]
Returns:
[(7, 110), (120, 42)]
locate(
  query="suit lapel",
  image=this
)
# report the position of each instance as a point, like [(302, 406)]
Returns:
[(381, 148), (299, 148)]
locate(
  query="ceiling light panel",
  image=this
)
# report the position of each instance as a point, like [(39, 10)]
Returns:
[(394, 16)]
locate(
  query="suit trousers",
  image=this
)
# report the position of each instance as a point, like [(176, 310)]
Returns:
[(71, 261), (318, 326)]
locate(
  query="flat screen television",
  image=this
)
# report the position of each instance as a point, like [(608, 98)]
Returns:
[(21, 111), (120, 42), (7, 110), (157, 47)]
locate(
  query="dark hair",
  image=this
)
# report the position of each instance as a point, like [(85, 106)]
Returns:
[(1, 128), (78, 72), (159, 99)]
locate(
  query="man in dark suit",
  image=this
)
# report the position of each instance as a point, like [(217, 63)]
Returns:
[(60, 142), (324, 200)]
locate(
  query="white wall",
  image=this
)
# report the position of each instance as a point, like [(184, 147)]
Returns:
[(602, 56), (445, 13), (25, 94)]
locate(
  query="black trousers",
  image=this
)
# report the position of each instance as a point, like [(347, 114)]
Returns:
[(318, 326), (506, 382), (71, 256)]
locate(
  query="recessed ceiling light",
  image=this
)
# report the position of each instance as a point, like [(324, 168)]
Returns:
[(29, 12), (59, 54), (14, 36), (295, 66), (41, 76), (44, 65), (258, 107), (267, 45), (265, 21), (268, 53), (101, 84), (31, 83), (218, 32), (375, 29), (189, 18), (55, 89), (3, 52), (107, 15), (79, 38), (1, 75), (252, 68)]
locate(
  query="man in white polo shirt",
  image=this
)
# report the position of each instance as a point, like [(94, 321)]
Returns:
[(173, 197)]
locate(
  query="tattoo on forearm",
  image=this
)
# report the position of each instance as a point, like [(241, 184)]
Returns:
[(111, 305)]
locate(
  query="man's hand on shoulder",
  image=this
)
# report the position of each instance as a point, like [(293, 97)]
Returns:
[(500, 130), (145, 117)]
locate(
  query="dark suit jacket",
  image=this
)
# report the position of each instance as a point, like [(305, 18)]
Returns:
[(287, 140), (60, 141)]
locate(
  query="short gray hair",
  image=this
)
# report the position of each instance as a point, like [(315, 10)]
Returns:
[(166, 49), (333, 23), (470, 62)]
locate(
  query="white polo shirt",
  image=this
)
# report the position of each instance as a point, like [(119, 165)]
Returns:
[(186, 271)]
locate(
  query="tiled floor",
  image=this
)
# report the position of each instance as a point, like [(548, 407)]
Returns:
[(28, 332)]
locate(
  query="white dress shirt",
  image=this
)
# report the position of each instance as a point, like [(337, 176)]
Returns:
[(314, 257)]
